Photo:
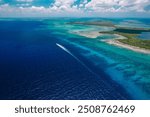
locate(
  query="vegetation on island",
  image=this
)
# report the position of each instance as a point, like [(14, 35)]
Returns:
[(131, 30), (131, 34), (133, 40), (136, 42)]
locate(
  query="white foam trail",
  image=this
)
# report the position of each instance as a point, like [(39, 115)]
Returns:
[(66, 50)]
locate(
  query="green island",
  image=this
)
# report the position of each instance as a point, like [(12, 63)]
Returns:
[(134, 41), (131, 34), (132, 37)]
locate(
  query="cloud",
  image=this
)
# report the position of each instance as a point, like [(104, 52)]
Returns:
[(24, 3), (63, 5), (37, 11), (117, 5), (24, 0), (59, 3), (9, 11), (76, 8)]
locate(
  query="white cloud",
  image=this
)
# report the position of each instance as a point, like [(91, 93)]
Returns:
[(63, 5), (69, 8), (24, 0), (9, 11), (117, 5), (23, 5)]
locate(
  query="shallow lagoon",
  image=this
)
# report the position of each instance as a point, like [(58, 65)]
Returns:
[(126, 67), (145, 35), (34, 67)]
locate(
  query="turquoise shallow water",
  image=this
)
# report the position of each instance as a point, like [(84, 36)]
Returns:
[(128, 68), (47, 59)]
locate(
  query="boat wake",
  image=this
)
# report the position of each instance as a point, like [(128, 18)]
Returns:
[(67, 51)]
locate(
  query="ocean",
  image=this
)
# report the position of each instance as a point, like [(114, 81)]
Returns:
[(43, 59)]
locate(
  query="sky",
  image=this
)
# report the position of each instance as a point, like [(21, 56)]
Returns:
[(74, 8)]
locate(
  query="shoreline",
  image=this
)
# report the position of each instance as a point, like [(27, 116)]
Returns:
[(130, 47), (115, 42), (88, 34), (122, 33)]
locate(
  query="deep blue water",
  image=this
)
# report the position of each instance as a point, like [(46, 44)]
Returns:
[(32, 66)]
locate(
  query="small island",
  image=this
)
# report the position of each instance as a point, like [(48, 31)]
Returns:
[(131, 40)]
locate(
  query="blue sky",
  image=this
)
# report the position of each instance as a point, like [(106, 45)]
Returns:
[(74, 8)]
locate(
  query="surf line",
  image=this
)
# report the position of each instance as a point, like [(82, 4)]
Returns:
[(67, 51)]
